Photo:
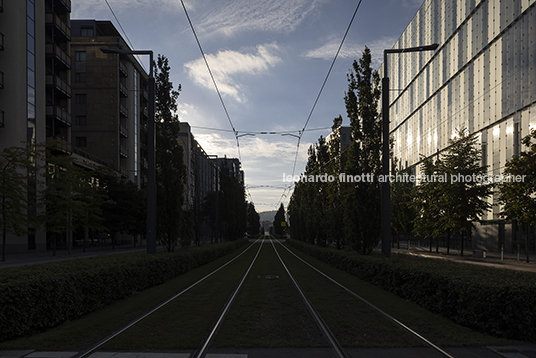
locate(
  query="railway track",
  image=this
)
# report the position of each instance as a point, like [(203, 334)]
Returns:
[(288, 261)]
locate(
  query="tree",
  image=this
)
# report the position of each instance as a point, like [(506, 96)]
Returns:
[(253, 220), (15, 164), (403, 212), (427, 202), (519, 196), (362, 202), (69, 198), (124, 204), (279, 220), (465, 197), (170, 172)]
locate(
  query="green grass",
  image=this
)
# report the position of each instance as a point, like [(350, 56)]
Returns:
[(434, 327), (86, 331), (268, 312)]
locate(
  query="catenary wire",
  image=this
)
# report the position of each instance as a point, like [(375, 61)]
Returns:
[(124, 32), (213, 79), (322, 88)]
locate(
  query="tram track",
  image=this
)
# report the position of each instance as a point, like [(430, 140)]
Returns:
[(121, 330), (289, 261), (401, 325)]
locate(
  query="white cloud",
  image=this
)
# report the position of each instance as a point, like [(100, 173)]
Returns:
[(280, 16), (355, 51), (227, 65), (81, 8)]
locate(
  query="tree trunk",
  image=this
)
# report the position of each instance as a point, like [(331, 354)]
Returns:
[(431, 245), (461, 249), (437, 246), (448, 243), (526, 234)]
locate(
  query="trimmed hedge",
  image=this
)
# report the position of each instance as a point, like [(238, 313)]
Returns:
[(495, 301), (37, 297)]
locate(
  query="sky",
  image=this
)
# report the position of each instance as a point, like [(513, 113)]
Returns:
[(269, 59)]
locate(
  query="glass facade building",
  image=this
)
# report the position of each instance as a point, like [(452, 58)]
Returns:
[(482, 77)]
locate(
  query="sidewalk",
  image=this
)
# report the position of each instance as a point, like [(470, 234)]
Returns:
[(492, 259), (31, 258)]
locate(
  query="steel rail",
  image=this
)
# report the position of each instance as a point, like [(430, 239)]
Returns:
[(337, 347), (201, 352), (121, 330), (402, 325)]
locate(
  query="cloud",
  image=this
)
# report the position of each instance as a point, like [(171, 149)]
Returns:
[(227, 65), (328, 50), (81, 8), (280, 16)]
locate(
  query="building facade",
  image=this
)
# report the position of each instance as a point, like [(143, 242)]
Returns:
[(482, 77), (110, 93), (34, 84), (202, 178)]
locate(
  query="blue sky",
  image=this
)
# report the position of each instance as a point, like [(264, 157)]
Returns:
[(269, 59)]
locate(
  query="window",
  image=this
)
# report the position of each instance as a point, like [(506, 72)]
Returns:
[(87, 31), (80, 77), (80, 120), (80, 99), (80, 56), (81, 141)]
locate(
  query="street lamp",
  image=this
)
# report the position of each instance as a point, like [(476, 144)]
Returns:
[(151, 180), (386, 187)]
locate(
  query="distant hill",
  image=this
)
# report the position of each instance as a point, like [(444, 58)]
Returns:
[(267, 215)]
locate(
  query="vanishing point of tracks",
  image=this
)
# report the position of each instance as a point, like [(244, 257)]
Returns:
[(293, 277)]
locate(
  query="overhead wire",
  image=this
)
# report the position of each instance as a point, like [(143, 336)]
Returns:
[(124, 32), (321, 90), (212, 77)]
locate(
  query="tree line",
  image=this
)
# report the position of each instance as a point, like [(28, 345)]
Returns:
[(40, 188), (347, 214)]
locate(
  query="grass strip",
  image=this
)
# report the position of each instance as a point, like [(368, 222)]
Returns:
[(434, 327), (81, 333), (268, 311)]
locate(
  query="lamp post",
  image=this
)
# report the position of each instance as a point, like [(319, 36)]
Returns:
[(151, 179), (386, 187)]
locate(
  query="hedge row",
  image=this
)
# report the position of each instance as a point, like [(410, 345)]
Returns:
[(36, 297), (495, 301)]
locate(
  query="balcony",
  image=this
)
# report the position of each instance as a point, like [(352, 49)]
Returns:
[(59, 24), (123, 151), (65, 3), (1, 80), (145, 113), (144, 96), (59, 113), (59, 144), (124, 172), (123, 111), (1, 41), (61, 56), (123, 131), (1, 5), (123, 91), (123, 72), (59, 84), (1, 119)]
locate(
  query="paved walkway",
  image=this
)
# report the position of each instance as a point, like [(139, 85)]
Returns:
[(31, 258), (509, 261), (528, 351)]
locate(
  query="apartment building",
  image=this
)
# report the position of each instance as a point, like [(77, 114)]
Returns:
[(34, 84), (482, 77), (110, 98), (202, 178)]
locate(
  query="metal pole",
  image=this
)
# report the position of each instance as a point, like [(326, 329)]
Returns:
[(151, 175), (386, 187)]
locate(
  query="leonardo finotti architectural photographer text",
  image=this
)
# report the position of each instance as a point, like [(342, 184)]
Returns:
[(404, 178)]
